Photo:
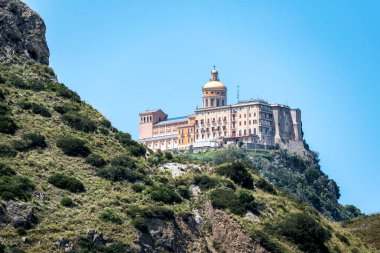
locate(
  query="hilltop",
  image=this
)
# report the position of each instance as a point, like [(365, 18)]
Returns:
[(70, 181)]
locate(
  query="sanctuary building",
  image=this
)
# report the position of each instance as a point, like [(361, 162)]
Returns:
[(253, 123)]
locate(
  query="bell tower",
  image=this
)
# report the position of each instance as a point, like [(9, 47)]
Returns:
[(214, 92)]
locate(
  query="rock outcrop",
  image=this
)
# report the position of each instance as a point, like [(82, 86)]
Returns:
[(22, 33), (21, 214)]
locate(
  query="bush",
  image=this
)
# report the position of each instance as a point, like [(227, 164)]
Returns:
[(36, 109), (64, 92), (2, 93), (30, 141), (117, 173), (205, 182), (4, 109), (136, 150), (65, 108), (109, 215), (236, 172), (106, 123), (305, 232), (86, 245), (17, 82), (165, 194), (183, 191), (73, 146), (5, 170), (124, 138), (7, 151), (15, 187), (67, 202), (138, 187), (7, 125), (79, 122), (66, 182), (95, 160), (21, 231), (227, 199), (248, 201), (265, 186), (267, 242), (123, 161), (150, 212)]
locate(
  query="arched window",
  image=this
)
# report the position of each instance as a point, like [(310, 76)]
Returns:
[(222, 102), (217, 102)]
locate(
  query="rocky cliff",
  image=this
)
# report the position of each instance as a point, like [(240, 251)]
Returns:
[(22, 33), (71, 182)]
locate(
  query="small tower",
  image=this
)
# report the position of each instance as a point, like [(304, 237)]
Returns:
[(214, 92)]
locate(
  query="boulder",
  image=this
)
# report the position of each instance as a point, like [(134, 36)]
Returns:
[(21, 214)]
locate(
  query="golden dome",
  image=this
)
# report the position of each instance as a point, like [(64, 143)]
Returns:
[(214, 84)]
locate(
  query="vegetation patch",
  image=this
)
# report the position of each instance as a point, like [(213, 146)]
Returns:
[(165, 194), (7, 125), (67, 202), (64, 92), (79, 122), (236, 172), (265, 186), (5, 170), (7, 150), (305, 232), (95, 160), (118, 173), (238, 203), (72, 146), (66, 182), (205, 182), (124, 161), (36, 109), (30, 141), (15, 187), (85, 245), (65, 108), (110, 216)]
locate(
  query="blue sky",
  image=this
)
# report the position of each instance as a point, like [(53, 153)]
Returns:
[(320, 56)]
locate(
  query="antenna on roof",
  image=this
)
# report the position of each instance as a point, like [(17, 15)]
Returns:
[(238, 95)]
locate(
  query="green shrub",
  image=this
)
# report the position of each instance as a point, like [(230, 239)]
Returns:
[(17, 82), (168, 155), (227, 199), (136, 150), (64, 92), (183, 191), (110, 216), (229, 156), (305, 232), (139, 223), (205, 182), (67, 202), (117, 173), (95, 160), (5, 170), (165, 194), (30, 141), (106, 123), (65, 108), (7, 150), (138, 187), (4, 109), (79, 122), (267, 242), (124, 138), (21, 231), (66, 182), (236, 172), (160, 212), (86, 245), (248, 201), (7, 125), (2, 93), (36, 108), (73, 146), (123, 161), (265, 186), (15, 187)]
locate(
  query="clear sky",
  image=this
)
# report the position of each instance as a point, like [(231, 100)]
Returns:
[(320, 56)]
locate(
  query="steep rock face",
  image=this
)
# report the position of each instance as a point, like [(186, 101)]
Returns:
[(22, 33)]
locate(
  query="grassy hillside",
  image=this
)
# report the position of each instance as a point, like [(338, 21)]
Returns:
[(65, 160), (367, 228)]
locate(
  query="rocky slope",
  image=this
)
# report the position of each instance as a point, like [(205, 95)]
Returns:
[(71, 182)]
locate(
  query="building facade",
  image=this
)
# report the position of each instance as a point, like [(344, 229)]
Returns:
[(252, 123)]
